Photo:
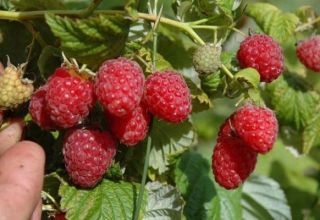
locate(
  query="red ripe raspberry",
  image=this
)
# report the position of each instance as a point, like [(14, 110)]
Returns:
[(60, 216), (167, 96), (262, 53), (38, 111), (226, 129), (69, 100), (132, 128), (232, 162), (60, 72), (257, 127), (119, 86), (308, 52), (87, 155)]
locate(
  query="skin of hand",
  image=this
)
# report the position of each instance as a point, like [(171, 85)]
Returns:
[(21, 175)]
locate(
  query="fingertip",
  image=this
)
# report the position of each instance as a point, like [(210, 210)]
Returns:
[(34, 149), (11, 134)]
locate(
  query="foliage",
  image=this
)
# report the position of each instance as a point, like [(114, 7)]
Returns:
[(180, 183)]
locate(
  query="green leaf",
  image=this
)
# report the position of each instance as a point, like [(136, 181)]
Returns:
[(169, 140), (204, 199), (293, 173), (164, 202), (248, 78), (143, 56), (92, 40), (107, 201), (311, 134), (200, 100), (276, 23), (28, 5), (6, 5), (49, 60), (292, 100), (263, 199)]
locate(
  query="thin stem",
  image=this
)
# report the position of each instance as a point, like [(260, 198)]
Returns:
[(226, 71), (34, 33), (46, 195), (19, 16), (201, 21), (94, 4), (238, 31), (207, 27), (144, 178), (305, 25), (155, 37)]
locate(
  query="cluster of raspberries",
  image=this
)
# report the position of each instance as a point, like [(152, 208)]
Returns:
[(247, 132), (128, 100)]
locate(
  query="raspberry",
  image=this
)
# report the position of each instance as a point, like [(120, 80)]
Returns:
[(308, 52), (119, 86), (38, 111), (13, 89), (257, 127), (87, 155), (232, 162), (226, 129), (206, 59), (60, 216), (69, 100), (167, 96), (132, 128), (262, 53)]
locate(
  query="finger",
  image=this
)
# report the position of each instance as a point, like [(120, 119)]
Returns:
[(21, 179), (11, 135), (37, 212), (1, 68)]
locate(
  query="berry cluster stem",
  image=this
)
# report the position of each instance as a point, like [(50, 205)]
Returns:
[(226, 71), (143, 181), (90, 9), (305, 25), (27, 15)]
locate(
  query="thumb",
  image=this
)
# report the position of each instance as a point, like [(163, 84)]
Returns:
[(11, 135), (21, 179)]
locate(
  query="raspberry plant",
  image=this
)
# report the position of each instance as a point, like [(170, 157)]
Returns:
[(176, 109)]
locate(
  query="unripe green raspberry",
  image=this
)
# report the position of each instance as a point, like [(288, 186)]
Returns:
[(206, 59), (13, 89)]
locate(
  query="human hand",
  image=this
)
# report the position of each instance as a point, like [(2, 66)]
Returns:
[(21, 175)]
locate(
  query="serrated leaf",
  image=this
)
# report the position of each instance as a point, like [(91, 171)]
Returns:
[(274, 22), (92, 40), (292, 101), (143, 56), (248, 78), (263, 199), (200, 100), (107, 201), (164, 202), (311, 134), (168, 140), (204, 199), (25, 5), (6, 5)]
